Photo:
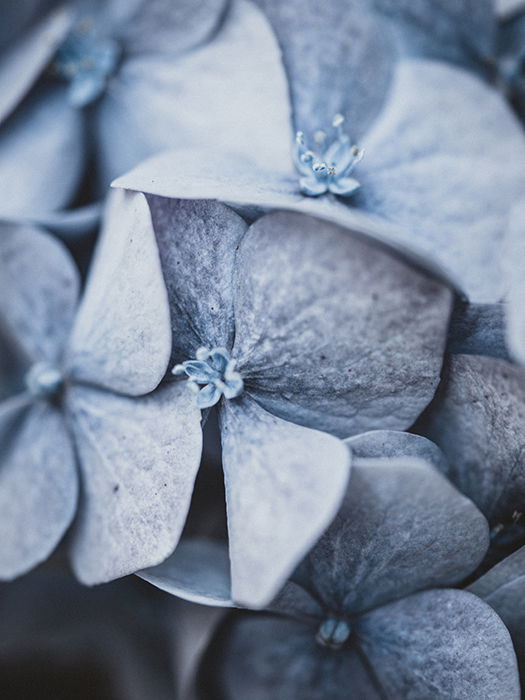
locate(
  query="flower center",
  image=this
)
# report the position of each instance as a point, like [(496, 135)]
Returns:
[(215, 372), (44, 381), (328, 168), (86, 60), (333, 633)]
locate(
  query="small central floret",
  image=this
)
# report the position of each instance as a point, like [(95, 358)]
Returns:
[(44, 381), (215, 372), (87, 61), (328, 169), (333, 633)]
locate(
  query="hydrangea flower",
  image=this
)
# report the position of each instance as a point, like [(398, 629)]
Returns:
[(321, 331), (105, 83), (82, 401), (371, 612), (422, 178), (477, 419)]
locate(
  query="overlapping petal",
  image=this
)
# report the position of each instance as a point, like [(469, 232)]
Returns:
[(139, 458)]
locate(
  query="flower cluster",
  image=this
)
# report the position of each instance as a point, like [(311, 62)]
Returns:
[(232, 369)]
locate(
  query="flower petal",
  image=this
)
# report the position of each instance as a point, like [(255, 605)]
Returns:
[(229, 94), (122, 334), (349, 340), (38, 483), (319, 44), (477, 419), (46, 131), (28, 55), (452, 30), (416, 163), (263, 656), (440, 644), (38, 291), (139, 458), (278, 496), (402, 527), (503, 588), (197, 243), (198, 571)]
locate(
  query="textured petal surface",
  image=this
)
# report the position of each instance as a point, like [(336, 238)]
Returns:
[(349, 340), (477, 419), (139, 458), (284, 484), (46, 131), (197, 243), (122, 335), (38, 484), (198, 571), (259, 657), (28, 57), (38, 291), (430, 174), (230, 94), (503, 588), (402, 528), (451, 30), (339, 59), (440, 644)]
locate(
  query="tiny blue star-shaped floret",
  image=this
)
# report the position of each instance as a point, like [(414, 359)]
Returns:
[(215, 372), (329, 169)]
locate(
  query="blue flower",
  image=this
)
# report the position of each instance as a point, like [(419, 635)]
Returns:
[(375, 609), (215, 371), (328, 170)]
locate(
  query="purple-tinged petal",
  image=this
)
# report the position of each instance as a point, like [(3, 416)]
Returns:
[(284, 484), (515, 270), (197, 243), (440, 644), (139, 458), (122, 334), (348, 340), (402, 527)]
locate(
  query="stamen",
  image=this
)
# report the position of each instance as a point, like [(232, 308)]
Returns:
[(212, 375), (44, 381), (328, 168), (333, 633)]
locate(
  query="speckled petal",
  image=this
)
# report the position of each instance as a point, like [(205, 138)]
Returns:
[(139, 458), (42, 150), (503, 588), (284, 484), (261, 657), (440, 644), (477, 419), (38, 484), (402, 527), (122, 334), (418, 164), (27, 57), (348, 340), (38, 291), (198, 571), (197, 243), (229, 94), (319, 43)]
